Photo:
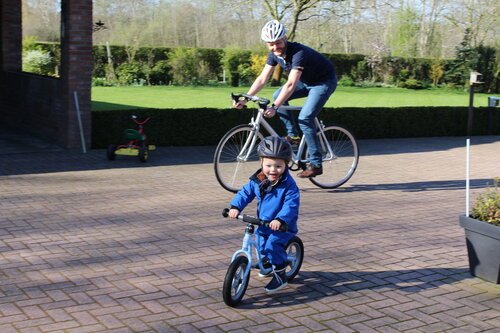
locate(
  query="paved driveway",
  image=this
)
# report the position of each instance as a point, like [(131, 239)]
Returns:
[(88, 245)]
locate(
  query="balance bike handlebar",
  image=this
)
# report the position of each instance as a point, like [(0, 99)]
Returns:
[(254, 220)]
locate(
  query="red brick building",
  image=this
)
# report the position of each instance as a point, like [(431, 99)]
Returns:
[(44, 106)]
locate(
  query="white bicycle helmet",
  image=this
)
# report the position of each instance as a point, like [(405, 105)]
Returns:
[(272, 31)]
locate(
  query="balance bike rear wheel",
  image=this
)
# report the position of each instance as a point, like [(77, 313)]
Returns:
[(295, 256)]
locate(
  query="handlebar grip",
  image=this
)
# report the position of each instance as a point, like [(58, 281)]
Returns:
[(234, 97), (254, 220)]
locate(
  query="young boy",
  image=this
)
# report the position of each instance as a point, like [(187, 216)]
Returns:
[(278, 201)]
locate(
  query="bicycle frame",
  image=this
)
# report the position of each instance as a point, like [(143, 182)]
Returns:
[(259, 120), (251, 243), (236, 154)]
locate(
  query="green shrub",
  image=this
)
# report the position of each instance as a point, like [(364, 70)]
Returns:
[(412, 84), (346, 81), (174, 127), (160, 73), (38, 62), (130, 72), (188, 67), (487, 206), (101, 82), (236, 62)]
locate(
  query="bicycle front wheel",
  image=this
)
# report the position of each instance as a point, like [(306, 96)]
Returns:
[(236, 158), (340, 157)]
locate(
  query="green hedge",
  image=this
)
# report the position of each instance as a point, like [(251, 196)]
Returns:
[(199, 127), (150, 65)]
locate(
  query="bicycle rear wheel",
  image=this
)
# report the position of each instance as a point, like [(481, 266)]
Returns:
[(340, 157), (232, 167)]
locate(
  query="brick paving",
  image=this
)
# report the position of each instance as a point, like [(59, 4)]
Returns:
[(88, 245)]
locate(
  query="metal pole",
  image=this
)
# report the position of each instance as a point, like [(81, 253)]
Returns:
[(467, 180), (471, 110), (470, 117), (79, 118)]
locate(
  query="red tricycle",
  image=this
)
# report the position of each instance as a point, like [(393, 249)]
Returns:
[(136, 144)]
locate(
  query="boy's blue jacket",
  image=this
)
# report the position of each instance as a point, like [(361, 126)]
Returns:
[(280, 202)]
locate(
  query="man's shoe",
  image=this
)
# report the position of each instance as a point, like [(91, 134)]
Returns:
[(293, 140), (311, 171), (267, 268), (278, 282)]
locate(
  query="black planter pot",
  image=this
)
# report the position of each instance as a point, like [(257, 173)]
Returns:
[(483, 248)]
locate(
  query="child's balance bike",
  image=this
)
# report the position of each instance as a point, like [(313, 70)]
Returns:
[(136, 143), (238, 273)]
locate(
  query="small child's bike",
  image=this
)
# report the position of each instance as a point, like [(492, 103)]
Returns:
[(136, 144), (238, 273)]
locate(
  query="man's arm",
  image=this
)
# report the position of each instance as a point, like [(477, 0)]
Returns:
[(257, 85), (286, 91), (261, 80)]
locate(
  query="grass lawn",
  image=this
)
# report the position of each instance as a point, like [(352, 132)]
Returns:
[(119, 98)]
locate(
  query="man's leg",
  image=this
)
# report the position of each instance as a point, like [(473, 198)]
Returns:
[(286, 116), (318, 96)]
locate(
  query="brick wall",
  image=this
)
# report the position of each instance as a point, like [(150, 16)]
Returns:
[(44, 106)]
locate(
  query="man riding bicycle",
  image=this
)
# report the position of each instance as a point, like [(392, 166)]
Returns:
[(310, 75)]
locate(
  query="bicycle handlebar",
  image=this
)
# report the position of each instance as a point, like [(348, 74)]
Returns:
[(262, 102), (254, 220)]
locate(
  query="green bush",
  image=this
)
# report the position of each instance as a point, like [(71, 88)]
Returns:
[(188, 67), (412, 83), (237, 62), (130, 72), (100, 82), (487, 206), (174, 127), (38, 62), (344, 63), (346, 81), (154, 66), (160, 73)]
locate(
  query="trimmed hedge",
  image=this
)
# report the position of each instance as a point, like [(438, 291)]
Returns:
[(200, 127)]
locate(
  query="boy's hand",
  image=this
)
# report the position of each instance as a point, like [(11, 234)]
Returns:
[(275, 225), (233, 213)]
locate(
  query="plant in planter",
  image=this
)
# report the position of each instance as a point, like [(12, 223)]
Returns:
[(482, 233)]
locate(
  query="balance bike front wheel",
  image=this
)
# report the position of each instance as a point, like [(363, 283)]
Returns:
[(235, 282)]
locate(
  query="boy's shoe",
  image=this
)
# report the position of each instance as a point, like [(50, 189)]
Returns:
[(278, 282), (311, 171), (267, 268), (293, 140)]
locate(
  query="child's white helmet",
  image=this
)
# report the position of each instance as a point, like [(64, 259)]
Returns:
[(272, 31)]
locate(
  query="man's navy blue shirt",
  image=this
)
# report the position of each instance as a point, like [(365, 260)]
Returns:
[(315, 67)]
